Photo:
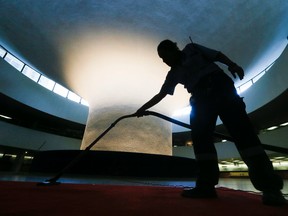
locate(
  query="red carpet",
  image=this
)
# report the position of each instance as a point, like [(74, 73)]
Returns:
[(25, 198)]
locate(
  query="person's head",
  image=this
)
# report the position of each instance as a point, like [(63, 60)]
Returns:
[(169, 52)]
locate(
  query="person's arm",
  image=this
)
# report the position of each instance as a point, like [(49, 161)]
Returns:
[(232, 66), (153, 101)]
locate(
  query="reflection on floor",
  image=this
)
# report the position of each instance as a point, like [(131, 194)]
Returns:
[(243, 184)]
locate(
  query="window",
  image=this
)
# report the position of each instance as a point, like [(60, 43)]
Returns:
[(266, 69), (60, 90), (84, 102), (46, 82), (39, 78), (30, 73), (2, 52), (183, 111), (245, 86), (256, 78), (72, 96), (14, 61)]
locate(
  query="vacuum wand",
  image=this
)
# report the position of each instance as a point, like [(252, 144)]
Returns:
[(53, 181)]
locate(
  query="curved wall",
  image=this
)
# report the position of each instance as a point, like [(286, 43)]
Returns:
[(19, 87), (25, 138), (271, 85)]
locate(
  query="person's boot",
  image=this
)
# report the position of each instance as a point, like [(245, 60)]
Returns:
[(264, 178), (207, 179), (273, 198), (200, 193)]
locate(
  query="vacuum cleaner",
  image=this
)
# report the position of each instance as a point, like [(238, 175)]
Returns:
[(54, 180)]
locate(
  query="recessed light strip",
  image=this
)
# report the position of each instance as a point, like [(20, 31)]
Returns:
[(284, 124), (6, 117)]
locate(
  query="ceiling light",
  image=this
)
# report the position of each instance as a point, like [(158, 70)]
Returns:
[(6, 117), (284, 124), (272, 128)]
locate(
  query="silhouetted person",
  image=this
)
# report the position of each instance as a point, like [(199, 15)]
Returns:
[(213, 94)]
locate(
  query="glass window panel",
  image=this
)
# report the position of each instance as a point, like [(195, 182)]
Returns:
[(74, 97), (2, 52), (84, 102), (256, 78), (268, 68), (183, 111), (32, 74), (14, 61), (238, 90), (60, 90), (245, 86), (46, 82)]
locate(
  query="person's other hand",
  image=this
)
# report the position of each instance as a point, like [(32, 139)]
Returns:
[(235, 69), (140, 112)]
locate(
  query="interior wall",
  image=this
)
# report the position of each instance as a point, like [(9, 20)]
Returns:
[(25, 138)]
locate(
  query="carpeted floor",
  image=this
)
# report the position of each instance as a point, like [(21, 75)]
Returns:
[(26, 198)]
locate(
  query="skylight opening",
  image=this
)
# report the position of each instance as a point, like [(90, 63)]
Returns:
[(30, 73)]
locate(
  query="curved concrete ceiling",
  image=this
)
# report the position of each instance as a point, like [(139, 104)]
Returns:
[(76, 42)]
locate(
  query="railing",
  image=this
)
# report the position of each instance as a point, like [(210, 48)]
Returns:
[(254, 79)]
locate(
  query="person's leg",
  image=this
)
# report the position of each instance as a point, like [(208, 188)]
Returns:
[(203, 119), (261, 172)]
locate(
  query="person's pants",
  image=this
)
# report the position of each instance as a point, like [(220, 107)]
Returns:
[(220, 99)]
